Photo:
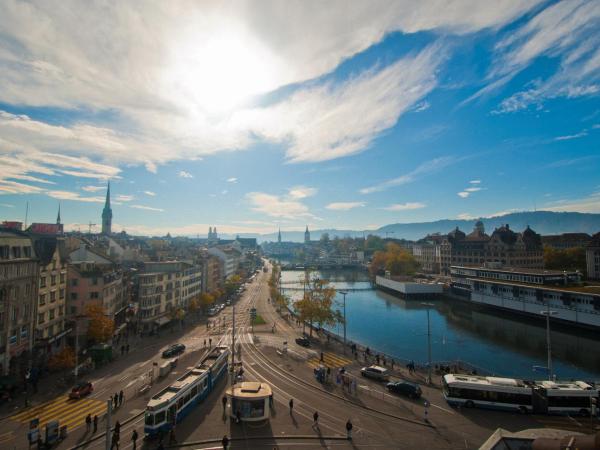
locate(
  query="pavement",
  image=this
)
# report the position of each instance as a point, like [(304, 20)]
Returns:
[(380, 420)]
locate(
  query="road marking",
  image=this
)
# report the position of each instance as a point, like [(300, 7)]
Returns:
[(70, 412), (443, 409), (329, 360), (124, 377)]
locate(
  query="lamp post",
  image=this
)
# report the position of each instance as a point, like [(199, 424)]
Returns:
[(548, 313), (428, 342), (344, 294)]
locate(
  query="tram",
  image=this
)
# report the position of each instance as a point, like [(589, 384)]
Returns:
[(541, 397), (172, 404)]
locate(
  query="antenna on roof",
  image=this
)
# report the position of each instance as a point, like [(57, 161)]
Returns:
[(26, 213)]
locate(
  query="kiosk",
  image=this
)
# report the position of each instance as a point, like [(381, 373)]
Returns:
[(251, 400)]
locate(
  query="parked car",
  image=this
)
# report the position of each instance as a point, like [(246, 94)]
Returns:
[(303, 341), (228, 302), (81, 389), (212, 311), (173, 350), (411, 390), (375, 372)]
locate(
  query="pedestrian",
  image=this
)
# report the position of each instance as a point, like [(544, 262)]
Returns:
[(322, 357), (354, 386), (116, 400), (127, 349), (111, 400), (120, 398), (172, 438), (225, 442), (384, 361), (224, 401), (392, 362), (115, 441), (209, 342), (238, 416), (291, 406), (88, 422), (117, 427), (134, 437), (377, 358), (315, 420), (95, 423), (349, 430), (204, 343)]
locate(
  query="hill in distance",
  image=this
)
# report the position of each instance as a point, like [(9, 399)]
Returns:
[(543, 222)]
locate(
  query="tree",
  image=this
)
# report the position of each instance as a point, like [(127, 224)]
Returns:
[(316, 305), (65, 359), (567, 259), (100, 327), (394, 259), (232, 283), (206, 300)]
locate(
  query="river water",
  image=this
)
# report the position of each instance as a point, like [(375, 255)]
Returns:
[(495, 341)]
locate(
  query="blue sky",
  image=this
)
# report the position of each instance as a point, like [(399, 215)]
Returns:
[(248, 117)]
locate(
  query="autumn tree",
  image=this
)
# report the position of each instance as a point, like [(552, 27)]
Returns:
[(65, 359), (317, 304), (232, 283), (567, 259), (206, 300), (100, 327), (395, 259)]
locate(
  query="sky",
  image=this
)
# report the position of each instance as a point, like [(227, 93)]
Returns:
[(250, 116)]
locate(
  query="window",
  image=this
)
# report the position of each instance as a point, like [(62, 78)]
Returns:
[(61, 310), (159, 417), (73, 295), (53, 280), (41, 318), (42, 299), (74, 310), (74, 282), (43, 282), (24, 331), (13, 337), (94, 281), (52, 296), (94, 295), (51, 314), (16, 251), (62, 278), (62, 294)]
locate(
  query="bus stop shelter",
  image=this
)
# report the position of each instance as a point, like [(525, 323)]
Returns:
[(250, 401)]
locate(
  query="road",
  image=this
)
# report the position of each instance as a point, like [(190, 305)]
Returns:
[(380, 420)]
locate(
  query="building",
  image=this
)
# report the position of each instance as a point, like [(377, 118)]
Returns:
[(164, 288), (213, 237), (107, 214), (566, 240), (306, 235), (503, 246), (428, 253), (230, 259), (92, 283), (212, 278), (18, 298), (51, 312), (530, 292), (592, 257)]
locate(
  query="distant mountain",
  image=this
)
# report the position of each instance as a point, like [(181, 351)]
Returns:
[(543, 222)]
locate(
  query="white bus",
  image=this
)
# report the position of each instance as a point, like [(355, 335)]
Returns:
[(542, 397)]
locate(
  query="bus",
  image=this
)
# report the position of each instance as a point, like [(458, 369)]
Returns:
[(510, 394), (172, 404)]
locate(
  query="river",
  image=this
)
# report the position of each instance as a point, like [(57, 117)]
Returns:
[(495, 341)]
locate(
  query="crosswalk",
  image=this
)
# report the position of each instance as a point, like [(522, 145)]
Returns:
[(329, 360), (67, 411)]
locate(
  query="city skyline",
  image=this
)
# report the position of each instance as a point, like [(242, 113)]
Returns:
[(374, 118)]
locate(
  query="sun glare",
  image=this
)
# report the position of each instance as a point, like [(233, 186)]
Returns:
[(218, 74)]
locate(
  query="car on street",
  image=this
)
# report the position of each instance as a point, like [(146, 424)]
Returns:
[(173, 350), (228, 302), (81, 389), (403, 387), (375, 373), (213, 311), (303, 341)]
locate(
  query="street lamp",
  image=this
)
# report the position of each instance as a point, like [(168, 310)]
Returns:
[(344, 293), (548, 313), (428, 342)]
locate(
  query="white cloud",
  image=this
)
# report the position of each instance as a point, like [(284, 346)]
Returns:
[(93, 188), (75, 196), (421, 106), (224, 191), (589, 204), (344, 206), (150, 193), (146, 208), (463, 194), (276, 206), (465, 216), (566, 31), (473, 189), (568, 137), (299, 192), (405, 206), (232, 180), (184, 174), (165, 78), (475, 182), (424, 169), (125, 198), (7, 205)]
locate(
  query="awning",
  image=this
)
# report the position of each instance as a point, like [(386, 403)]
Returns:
[(162, 321)]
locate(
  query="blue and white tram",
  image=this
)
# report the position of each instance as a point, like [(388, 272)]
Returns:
[(172, 404)]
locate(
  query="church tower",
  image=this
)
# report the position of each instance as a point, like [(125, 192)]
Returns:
[(107, 214), (306, 235), (279, 236), (58, 216)]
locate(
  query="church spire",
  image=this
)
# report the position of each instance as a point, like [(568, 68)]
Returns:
[(107, 214), (58, 216), (279, 235)]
